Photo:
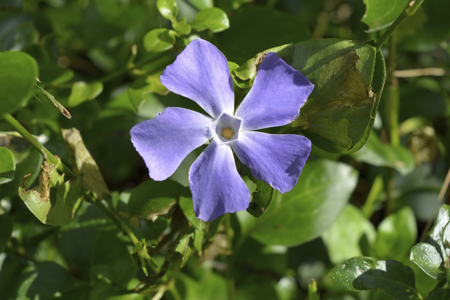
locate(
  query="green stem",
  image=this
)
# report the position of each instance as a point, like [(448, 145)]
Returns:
[(375, 191), (38, 146), (409, 10), (229, 272), (392, 107)]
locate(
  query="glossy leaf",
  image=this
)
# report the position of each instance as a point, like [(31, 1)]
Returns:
[(7, 165), (377, 154), (309, 209), (382, 13), (56, 208), (6, 227), (365, 273), (18, 73), (82, 91), (434, 237), (397, 233), (187, 207), (211, 18), (343, 245), (426, 257), (83, 163), (181, 27), (168, 9), (158, 40), (156, 198)]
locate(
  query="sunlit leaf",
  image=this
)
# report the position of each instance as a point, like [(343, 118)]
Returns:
[(159, 40), (82, 91), (211, 18), (168, 9), (187, 207), (382, 13)]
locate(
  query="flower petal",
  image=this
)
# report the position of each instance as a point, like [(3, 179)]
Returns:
[(276, 96), (216, 186), (201, 73), (276, 159), (165, 141)]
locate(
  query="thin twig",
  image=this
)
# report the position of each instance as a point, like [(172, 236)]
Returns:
[(420, 72)]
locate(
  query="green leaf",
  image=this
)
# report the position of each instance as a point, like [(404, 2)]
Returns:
[(307, 210), (158, 40), (382, 13), (82, 91), (168, 9), (47, 279), (83, 164), (187, 207), (339, 110), (181, 27), (156, 198), (18, 73), (54, 74), (6, 227), (261, 199), (211, 18), (344, 245), (7, 165), (377, 154), (139, 89), (434, 237), (365, 273), (397, 233), (54, 208), (426, 257), (439, 294)]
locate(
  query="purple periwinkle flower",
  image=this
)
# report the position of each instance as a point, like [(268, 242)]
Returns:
[(201, 74)]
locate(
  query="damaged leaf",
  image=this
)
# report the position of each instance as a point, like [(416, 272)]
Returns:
[(83, 163), (53, 201)]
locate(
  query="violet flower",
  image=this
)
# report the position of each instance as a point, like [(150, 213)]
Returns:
[(201, 74)]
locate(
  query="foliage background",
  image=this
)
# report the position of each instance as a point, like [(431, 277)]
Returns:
[(374, 202)]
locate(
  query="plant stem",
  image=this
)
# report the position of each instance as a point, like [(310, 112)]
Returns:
[(38, 146), (375, 191), (409, 10)]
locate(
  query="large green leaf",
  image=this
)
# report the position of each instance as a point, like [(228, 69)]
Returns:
[(381, 13), (310, 208), (397, 233), (57, 207), (18, 73), (7, 165), (377, 154), (339, 110), (345, 245), (5, 231), (365, 273), (211, 18), (48, 280)]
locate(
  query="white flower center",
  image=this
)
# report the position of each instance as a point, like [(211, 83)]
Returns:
[(226, 128)]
